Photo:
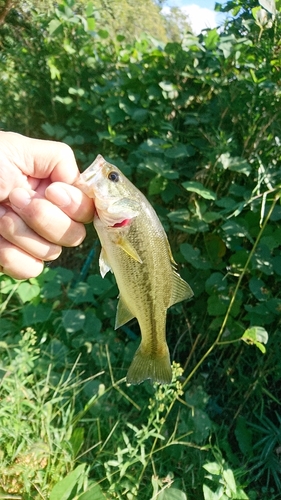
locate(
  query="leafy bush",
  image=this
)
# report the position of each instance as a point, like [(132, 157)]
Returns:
[(196, 126)]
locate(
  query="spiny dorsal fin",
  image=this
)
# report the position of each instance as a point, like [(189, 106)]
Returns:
[(180, 290)]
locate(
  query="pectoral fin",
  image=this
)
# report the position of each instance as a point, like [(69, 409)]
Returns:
[(123, 314), (128, 248), (180, 290), (103, 262)]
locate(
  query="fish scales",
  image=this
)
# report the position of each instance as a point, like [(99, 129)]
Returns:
[(136, 249)]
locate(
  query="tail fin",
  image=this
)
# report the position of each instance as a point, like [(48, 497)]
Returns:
[(145, 366)]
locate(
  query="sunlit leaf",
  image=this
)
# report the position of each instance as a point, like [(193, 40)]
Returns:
[(256, 335), (197, 187), (269, 5), (64, 488), (171, 494)]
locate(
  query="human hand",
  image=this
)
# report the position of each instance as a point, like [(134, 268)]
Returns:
[(40, 211)]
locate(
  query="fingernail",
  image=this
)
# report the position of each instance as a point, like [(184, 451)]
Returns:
[(19, 198), (2, 211), (59, 196)]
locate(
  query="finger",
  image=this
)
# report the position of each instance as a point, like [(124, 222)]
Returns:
[(18, 264), (71, 200), (40, 158), (14, 230), (46, 219)]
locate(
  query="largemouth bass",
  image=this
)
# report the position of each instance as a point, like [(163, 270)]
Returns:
[(136, 249)]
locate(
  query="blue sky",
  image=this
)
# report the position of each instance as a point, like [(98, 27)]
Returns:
[(208, 4), (200, 13)]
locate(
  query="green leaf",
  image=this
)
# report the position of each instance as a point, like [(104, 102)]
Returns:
[(197, 187), (276, 262), (27, 291), (232, 228), (192, 255), (77, 439), (159, 166), (81, 293), (181, 215), (197, 397), (73, 321), (229, 480), (103, 34), (140, 115), (57, 352), (63, 275), (63, 489), (98, 284), (216, 306), (33, 314), (200, 425), (167, 86), (216, 283), (50, 290), (54, 26), (7, 284), (235, 164), (259, 289), (91, 24), (213, 495), (269, 5), (211, 39), (215, 247), (116, 115), (171, 494), (274, 305), (244, 436), (179, 151), (256, 335), (157, 185), (92, 324), (262, 260), (93, 493), (213, 468)]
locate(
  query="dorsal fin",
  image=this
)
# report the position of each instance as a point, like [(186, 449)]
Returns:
[(180, 290)]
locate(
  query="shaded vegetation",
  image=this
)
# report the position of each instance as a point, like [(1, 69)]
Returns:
[(196, 126)]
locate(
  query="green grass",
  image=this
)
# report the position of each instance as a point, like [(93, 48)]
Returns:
[(58, 444)]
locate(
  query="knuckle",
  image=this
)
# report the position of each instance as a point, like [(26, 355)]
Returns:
[(7, 224)]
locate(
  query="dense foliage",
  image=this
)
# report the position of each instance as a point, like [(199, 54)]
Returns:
[(196, 126)]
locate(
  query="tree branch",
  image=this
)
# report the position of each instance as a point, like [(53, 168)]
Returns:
[(8, 4)]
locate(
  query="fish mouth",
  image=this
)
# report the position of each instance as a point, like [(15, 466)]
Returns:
[(86, 178), (123, 223)]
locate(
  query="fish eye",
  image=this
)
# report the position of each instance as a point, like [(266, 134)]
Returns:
[(113, 176)]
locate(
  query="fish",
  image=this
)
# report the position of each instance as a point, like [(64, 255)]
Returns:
[(135, 247)]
